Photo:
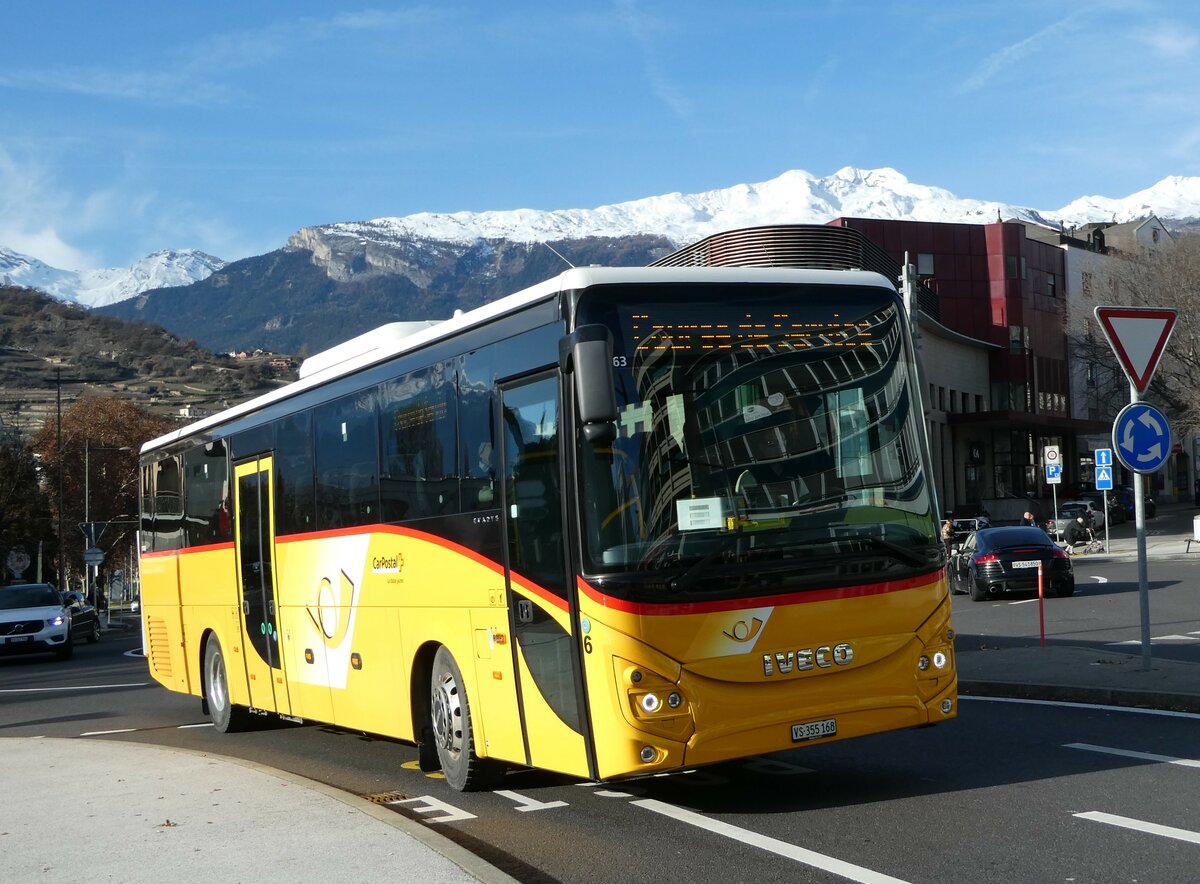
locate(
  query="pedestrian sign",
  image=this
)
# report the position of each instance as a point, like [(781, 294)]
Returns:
[(1104, 478)]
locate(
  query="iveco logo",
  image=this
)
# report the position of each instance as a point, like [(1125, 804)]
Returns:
[(804, 659)]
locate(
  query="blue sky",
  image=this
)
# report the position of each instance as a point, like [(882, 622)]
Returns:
[(130, 127)]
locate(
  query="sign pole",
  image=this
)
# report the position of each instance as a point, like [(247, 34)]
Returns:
[(1139, 521)]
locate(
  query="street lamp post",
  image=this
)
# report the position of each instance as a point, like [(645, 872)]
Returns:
[(90, 590)]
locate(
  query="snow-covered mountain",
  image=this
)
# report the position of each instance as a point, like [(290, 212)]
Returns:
[(387, 245), (97, 288), (795, 197)]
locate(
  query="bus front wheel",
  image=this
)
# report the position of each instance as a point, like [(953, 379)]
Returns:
[(226, 717), (450, 718)]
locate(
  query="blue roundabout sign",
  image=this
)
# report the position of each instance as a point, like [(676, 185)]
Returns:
[(1141, 437)]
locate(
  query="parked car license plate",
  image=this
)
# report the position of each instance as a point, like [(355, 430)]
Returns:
[(814, 730), (15, 639), (1026, 563)]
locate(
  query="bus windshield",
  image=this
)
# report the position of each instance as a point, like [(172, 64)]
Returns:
[(768, 439)]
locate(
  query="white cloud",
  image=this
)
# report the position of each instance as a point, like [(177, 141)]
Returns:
[(1169, 40), (1013, 53), (640, 26)]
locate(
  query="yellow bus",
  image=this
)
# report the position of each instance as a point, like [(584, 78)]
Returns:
[(627, 521)]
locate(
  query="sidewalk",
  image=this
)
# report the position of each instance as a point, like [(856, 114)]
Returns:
[(1060, 671), (133, 812)]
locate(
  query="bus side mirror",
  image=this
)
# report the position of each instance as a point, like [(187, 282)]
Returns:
[(588, 353)]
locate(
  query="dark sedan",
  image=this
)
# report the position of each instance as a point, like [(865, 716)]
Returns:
[(994, 561)]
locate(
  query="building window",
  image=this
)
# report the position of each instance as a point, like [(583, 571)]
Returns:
[(1014, 339), (978, 403), (1051, 285), (925, 262), (1154, 234), (1024, 269), (1010, 266)]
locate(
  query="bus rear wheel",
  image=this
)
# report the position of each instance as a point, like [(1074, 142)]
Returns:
[(450, 719), (226, 717)]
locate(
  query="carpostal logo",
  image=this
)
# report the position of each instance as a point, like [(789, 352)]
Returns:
[(387, 564)]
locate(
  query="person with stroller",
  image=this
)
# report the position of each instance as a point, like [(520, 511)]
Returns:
[(1076, 534)]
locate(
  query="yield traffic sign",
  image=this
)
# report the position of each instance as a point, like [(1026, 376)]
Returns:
[(1138, 336)]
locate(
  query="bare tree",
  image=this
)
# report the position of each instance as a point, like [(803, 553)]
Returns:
[(1168, 276), (101, 437)]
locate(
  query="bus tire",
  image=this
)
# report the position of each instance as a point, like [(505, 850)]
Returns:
[(450, 718), (226, 717)]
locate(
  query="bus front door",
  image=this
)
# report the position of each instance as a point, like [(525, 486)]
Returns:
[(253, 506), (537, 573)]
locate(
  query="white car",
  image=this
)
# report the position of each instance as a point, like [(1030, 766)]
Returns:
[(1093, 514), (34, 617)]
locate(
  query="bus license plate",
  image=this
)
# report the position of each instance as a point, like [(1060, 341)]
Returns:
[(1029, 563), (814, 730)]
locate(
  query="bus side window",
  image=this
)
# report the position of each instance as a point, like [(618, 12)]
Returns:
[(294, 500), (417, 443), (347, 486)]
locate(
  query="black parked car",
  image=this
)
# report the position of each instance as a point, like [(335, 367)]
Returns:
[(1125, 495), (993, 561)]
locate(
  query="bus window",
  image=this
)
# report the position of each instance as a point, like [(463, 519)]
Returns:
[(294, 510), (347, 489), (417, 446), (206, 510)]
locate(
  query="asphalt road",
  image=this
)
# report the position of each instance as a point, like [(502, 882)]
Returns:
[(1007, 792), (1103, 613)]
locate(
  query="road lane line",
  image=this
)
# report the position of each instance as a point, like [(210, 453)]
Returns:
[(123, 730), (1090, 707), (1140, 826), (1129, 753), (82, 687), (772, 845)]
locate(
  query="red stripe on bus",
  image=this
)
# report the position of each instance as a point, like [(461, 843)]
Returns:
[(794, 598), (540, 591)]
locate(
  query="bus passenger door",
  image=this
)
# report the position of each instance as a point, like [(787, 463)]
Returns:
[(254, 505), (538, 577)]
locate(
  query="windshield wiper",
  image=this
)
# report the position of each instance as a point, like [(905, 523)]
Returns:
[(902, 553)]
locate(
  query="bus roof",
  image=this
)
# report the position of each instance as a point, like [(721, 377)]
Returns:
[(396, 338)]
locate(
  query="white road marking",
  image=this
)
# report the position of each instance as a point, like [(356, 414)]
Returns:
[(1129, 753), (1022, 602), (1066, 704), (1155, 638), (772, 845), (1101, 579), (608, 793), (184, 727), (1140, 826), (81, 687), (525, 804), (122, 730), (429, 804)]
